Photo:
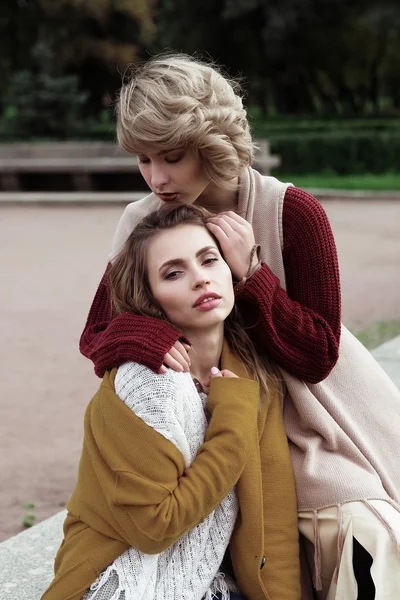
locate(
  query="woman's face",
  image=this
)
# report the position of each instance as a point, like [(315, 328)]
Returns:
[(174, 175), (189, 278)]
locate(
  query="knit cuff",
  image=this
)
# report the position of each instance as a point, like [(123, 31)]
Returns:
[(260, 286), (157, 344), (135, 338)]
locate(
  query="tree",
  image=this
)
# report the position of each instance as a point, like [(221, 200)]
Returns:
[(47, 103), (98, 39)]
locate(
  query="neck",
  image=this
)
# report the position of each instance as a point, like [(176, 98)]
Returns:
[(217, 199), (206, 351)]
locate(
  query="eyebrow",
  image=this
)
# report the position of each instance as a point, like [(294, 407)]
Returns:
[(179, 261)]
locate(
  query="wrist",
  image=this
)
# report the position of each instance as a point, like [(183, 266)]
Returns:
[(254, 265)]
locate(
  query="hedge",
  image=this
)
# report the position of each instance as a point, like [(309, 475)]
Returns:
[(344, 153), (310, 125), (302, 147)]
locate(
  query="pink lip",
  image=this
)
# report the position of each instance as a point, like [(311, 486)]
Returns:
[(168, 197), (200, 305), (208, 305)]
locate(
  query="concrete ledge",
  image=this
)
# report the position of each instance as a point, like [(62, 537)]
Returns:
[(124, 198), (388, 356), (60, 198), (27, 559), (332, 194)]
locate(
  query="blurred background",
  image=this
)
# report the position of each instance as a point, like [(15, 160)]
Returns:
[(322, 82), (322, 76)]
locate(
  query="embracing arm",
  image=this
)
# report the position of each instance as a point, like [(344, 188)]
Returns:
[(298, 328), (153, 497), (109, 341)]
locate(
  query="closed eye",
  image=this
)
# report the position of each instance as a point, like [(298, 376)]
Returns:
[(173, 159)]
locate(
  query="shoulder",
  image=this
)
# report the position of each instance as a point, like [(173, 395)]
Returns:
[(302, 203), (302, 211), (305, 222), (139, 387), (168, 402)]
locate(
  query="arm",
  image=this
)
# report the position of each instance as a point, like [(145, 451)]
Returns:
[(298, 328), (110, 341), (154, 499)]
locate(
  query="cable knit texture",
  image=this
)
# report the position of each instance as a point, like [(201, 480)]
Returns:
[(188, 569), (300, 327)]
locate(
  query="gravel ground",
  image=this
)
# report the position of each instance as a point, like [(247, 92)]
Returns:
[(53, 258)]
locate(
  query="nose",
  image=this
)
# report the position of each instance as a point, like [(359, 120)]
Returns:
[(200, 281), (159, 176)]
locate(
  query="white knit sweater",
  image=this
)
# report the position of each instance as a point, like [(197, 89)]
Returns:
[(189, 569)]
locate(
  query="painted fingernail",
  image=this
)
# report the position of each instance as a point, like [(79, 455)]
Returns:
[(214, 371)]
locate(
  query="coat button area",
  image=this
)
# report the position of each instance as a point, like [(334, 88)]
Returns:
[(262, 562)]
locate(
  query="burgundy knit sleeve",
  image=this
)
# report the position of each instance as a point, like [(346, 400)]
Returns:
[(298, 328), (109, 342)]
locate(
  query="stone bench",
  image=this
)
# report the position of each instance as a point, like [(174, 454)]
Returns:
[(82, 160), (27, 560)]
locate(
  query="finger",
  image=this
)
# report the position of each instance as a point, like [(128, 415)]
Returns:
[(179, 358), (215, 372), (163, 369), (234, 216), (224, 225), (227, 373), (217, 231), (241, 228), (172, 363), (182, 350)]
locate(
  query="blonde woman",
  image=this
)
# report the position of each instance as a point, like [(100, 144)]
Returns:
[(187, 125), (155, 506)]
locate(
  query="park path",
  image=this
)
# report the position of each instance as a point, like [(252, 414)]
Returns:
[(52, 260)]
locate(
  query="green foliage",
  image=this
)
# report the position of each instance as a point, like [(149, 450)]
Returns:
[(384, 182), (42, 102), (315, 124), (285, 50), (28, 519), (378, 333), (342, 152)]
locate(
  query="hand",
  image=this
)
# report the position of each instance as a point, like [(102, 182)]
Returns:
[(177, 358), (215, 372), (236, 238)]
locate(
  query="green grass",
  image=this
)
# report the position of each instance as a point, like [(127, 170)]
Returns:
[(378, 333), (384, 182)]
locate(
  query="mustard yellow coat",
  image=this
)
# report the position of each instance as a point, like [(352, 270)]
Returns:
[(147, 499)]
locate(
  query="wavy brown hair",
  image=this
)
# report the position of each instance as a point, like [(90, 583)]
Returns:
[(130, 289)]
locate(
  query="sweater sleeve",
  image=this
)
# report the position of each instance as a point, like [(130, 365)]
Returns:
[(299, 328), (154, 499), (110, 341)]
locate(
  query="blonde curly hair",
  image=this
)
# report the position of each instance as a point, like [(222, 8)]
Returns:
[(174, 100)]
